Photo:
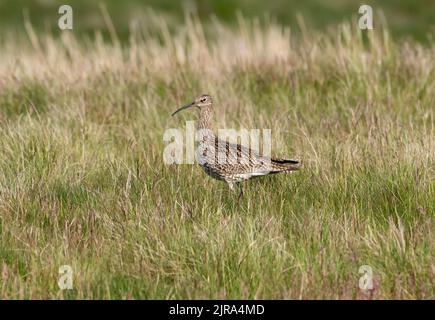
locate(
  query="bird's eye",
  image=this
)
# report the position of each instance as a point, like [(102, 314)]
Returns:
[(203, 99)]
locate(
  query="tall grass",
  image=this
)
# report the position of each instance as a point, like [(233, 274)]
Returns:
[(83, 183)]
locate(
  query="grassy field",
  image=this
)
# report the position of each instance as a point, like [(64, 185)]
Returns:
[(405, 18), (83, 183)]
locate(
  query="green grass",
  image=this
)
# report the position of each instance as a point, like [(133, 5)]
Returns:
[(406, 18), (83, 183)]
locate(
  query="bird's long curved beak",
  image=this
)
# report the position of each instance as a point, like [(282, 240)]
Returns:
[(183, 107)]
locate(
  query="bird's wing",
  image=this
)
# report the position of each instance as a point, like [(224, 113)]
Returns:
[(237, 158)]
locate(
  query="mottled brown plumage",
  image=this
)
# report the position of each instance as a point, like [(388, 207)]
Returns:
[(227, 161)]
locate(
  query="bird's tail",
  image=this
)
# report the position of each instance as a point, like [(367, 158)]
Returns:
[(283, 165)]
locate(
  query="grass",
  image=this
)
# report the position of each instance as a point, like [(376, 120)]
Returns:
[(82, 181), (406, 18)]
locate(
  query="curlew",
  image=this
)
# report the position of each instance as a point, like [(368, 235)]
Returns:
[(226, 161)]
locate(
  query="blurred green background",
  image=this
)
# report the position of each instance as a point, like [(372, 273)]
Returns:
[(405, 18)]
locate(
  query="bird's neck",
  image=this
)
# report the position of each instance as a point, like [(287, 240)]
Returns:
[(205, 133), (204, 118)]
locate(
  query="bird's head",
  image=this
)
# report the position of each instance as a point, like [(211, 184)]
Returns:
[(201, 101)]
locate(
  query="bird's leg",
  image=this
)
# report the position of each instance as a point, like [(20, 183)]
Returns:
[(231, 185), (241, 192)]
